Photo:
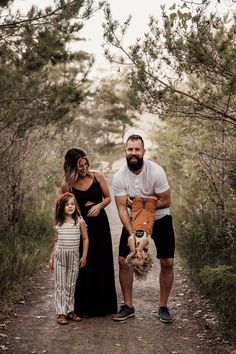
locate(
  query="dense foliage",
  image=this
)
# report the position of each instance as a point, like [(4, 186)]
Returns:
[(184, 71), (48, 104)]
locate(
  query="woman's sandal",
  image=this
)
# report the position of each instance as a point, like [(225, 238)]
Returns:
[(61, 319), (73, 317)]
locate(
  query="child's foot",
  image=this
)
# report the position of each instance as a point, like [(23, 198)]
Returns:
[(61, 319), (139, 254), (134, 254), (73, 317)]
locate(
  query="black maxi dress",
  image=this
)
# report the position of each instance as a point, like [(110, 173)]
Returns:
[(95, 293)]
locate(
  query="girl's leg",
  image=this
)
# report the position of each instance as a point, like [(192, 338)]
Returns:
[(60, 284), (72, 274)]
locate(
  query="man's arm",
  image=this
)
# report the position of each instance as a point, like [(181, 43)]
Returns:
[(121, 204), (163, 199)]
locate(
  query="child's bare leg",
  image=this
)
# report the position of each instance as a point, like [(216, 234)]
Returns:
[(143, 243), (132, 243)]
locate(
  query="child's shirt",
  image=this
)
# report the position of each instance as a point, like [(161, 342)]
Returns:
[(68, 235)]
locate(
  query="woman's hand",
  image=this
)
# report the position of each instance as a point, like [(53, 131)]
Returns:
[(94, 210)]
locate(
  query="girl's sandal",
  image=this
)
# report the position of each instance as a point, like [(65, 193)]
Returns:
[(73, 317), (61, 319)]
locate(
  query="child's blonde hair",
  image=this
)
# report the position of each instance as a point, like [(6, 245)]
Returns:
[(141, 270)]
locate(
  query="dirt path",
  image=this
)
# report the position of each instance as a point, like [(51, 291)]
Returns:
[(33, 329)]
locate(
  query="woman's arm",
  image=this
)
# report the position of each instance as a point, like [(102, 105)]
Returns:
[(85, 240)]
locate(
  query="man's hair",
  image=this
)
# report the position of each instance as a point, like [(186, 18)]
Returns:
[(135, 137)]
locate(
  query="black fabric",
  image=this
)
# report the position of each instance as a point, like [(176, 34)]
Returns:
[(95, 293), (163, 236), (92, 194)]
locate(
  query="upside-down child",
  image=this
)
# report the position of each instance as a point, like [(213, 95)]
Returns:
[(65, 257), (143, 213)]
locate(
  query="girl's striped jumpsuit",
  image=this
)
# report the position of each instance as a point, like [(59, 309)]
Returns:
[(66, 266)]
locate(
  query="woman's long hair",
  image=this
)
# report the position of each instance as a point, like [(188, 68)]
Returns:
[(60, 208), (71, 170)]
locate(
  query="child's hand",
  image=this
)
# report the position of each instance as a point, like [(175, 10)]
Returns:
[(82, 262), (51, 264), (129, 202)]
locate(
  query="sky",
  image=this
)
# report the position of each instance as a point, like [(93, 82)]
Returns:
[(140, 10), (93, 31)]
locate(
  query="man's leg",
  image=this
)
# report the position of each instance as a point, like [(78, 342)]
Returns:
[(166, 279), (126, 281), (163, 236)]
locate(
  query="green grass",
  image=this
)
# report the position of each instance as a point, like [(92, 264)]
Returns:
[(21, 255)]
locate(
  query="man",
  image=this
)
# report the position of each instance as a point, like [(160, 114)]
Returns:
[(144, 178)]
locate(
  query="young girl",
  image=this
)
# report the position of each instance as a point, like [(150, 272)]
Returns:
[(69, 227)]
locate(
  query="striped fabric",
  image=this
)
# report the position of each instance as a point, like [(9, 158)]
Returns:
[(66, 266), (68, 235)]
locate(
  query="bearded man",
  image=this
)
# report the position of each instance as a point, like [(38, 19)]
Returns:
[(144, 178)]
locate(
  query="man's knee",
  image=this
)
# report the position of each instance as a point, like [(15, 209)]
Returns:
[(167, 264)]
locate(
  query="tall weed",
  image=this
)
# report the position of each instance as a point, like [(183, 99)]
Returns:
[(21, 254)]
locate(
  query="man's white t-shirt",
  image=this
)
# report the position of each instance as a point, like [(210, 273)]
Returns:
[(150, 181)]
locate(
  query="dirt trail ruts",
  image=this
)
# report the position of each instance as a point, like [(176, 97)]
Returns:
[(33, 328)]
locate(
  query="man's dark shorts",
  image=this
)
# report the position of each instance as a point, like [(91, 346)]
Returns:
[(163, 236)]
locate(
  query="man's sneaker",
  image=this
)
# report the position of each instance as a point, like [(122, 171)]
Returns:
[(164, 315), (124, 313)]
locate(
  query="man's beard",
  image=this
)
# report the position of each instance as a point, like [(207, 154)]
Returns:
[(136, 165)]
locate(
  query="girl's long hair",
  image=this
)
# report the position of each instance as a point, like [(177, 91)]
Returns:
[(71, 170), (60, 208)]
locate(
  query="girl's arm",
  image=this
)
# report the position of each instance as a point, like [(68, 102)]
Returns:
[(85, 240), (95, 210), (51, 259)]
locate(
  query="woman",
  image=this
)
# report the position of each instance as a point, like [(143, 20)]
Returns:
[(95, 293)]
